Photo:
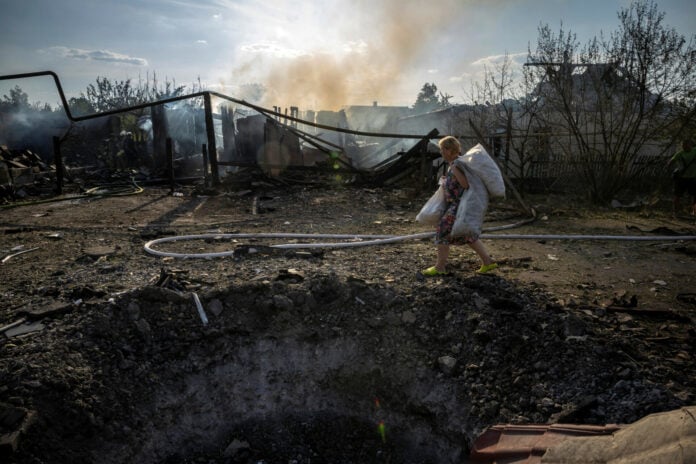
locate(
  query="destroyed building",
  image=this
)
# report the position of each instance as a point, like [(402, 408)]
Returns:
[(114, 355)]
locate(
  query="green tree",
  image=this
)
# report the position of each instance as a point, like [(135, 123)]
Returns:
[(80, 106), (18, 100), (108, 95), (430, 99)]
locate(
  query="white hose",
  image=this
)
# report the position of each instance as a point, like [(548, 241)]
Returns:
[(635, 238), (365, 240), (358, 240)]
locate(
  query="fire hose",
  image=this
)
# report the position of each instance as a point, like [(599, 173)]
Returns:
[(367, 240)]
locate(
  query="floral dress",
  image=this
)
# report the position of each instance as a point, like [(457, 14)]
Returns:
[(453, 194)]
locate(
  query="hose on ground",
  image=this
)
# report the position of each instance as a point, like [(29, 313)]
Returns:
[(367, 240), (94, 192)]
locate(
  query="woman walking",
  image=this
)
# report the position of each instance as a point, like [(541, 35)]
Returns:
[(455, 184)]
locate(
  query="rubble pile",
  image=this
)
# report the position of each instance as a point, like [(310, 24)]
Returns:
[(20, 171)]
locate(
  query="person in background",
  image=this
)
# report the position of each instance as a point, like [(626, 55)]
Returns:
[(684, 175), (455, 184)]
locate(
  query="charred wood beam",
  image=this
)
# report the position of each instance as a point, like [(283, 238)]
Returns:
[(210, 132), (228, 132), (170, 164), (310, 139), (58, 160), (160, 132), (406, 160), (204, 155)]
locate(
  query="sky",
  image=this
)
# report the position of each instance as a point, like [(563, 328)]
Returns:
[(314, 54)]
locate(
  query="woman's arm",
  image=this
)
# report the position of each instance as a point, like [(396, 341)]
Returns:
[(460, 176)]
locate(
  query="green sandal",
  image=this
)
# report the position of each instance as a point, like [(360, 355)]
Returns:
[(432, 271), (486, 268)]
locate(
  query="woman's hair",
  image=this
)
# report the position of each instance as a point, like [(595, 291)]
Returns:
[(450, 143)]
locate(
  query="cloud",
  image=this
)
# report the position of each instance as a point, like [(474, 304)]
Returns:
[(202, 42), (96, 55), (273, 48), (498, 59)]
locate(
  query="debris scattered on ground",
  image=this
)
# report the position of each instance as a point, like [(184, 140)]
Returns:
[(299, 343)]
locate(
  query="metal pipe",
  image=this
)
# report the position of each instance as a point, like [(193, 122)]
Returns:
[(199, 306)]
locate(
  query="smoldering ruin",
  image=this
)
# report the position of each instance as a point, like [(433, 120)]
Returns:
[(321, 354)]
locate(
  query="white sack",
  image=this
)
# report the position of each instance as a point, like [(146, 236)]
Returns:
[(472, 207), (480, 163), (432, 210)]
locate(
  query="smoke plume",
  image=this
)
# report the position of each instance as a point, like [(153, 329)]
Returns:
[(395, 35)]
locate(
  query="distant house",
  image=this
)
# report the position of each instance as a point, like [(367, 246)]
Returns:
[(374, 118)]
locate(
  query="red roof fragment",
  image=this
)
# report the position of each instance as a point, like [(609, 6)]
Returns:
[(526, 444)]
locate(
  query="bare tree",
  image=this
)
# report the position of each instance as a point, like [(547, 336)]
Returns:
[(505, 110), (617, 95), (528, 135)]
